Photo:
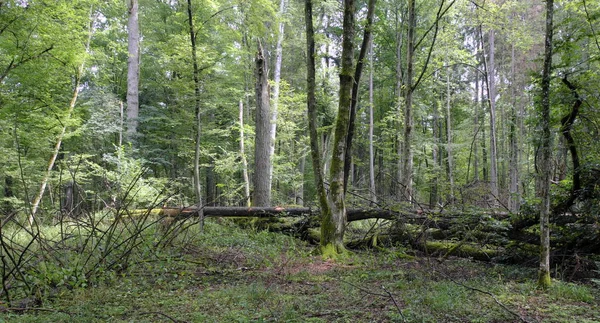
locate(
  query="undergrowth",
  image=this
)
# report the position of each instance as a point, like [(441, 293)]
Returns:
[(229, 274)]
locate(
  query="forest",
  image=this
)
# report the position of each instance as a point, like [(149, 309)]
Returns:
[(382, 149)]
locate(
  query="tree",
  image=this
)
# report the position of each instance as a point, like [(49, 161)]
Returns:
[(133, 68), (198, 118), (545, 152), (243, 156), (372, 188), (491, 79), (407, 151), (276, 86), (262, 161)]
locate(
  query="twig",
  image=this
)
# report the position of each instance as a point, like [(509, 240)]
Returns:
[(521, 318), (387, 295), (395, 303)]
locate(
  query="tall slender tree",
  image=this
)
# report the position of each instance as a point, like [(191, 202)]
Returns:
[(276, 85), (491, 73), (133, 68), (545, 152), (197, 112), (407, 151)]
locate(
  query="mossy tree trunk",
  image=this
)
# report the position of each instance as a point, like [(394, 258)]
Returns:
[(315, 152), (545, 162)]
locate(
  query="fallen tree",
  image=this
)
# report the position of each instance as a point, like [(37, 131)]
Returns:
[(442, 231), (260, 212)]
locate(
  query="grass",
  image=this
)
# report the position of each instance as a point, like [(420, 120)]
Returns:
[(229, 274)]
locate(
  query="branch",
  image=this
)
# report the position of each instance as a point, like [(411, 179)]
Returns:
[(587, 15), (209, 18), (386, 295), (522, 319), (13, 66), (440, 14)]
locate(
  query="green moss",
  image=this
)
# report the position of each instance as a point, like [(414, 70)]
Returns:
[(333, 251), (544, 281), (452, 248)]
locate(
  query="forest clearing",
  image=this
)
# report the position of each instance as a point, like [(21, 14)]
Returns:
[(299, 160)]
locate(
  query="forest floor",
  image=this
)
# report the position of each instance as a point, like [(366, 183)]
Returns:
[(229, 274)]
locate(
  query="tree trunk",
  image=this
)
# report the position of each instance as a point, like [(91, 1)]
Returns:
[(399, 99), (449, 138), (484, 94), (196, 73), (68, 202), (312, 108), (121, 126), (372, 191), (133, 69), (545, 153), (355, 87), (493, 142), (262, 162), (333, 223), (476, 131), (435, 156), (299, 196), (407, 152), (514, 197), (276, 83), (243, 156)]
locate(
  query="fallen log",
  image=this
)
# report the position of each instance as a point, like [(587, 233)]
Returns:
[(232, 211), (227, 211)]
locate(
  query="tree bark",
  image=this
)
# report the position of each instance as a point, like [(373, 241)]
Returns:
[(435, 156), (355, 87), (315, 152), (449, 137), (399, 98), (198, 117), (545, 153), (372, 191), (333, 223), (133, 69), (407, 152), (492, 104), (276, 83), (262, 162), (476, 130), (243, 156), (299, 194), (514, 197)]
